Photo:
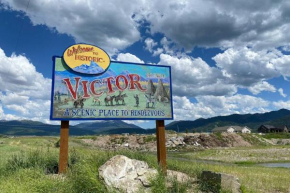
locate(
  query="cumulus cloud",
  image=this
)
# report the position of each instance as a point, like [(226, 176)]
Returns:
[(246, 67), (18, 75), (280, 90), (186, 110), (108, 24), (150, 44), (261, 86), (282, 64), (259, 24), (157, 52), (127, 57), (282, 104), (209, 106), (194, 77), (23, 90), (7, 116)]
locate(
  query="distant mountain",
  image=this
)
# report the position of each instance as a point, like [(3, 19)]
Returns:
[(251, 120), (28, 127), (105, 126)]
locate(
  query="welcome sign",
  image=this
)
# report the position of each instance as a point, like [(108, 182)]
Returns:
[(88, 86)]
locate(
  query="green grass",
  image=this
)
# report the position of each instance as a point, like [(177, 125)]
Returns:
[(259, 154), (253, 139), (27, 164), (276, 136), (150, 138)]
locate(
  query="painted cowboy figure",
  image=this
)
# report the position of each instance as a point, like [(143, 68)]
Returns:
[(137, 100), (58, 96)]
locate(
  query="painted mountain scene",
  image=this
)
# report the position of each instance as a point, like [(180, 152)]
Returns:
[(124, 91), (93, 68)]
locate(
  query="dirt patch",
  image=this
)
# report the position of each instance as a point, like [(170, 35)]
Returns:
[(174, 141), (217, 140), (280, 141)]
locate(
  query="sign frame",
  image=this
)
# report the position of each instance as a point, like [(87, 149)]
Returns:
[(121, 118)]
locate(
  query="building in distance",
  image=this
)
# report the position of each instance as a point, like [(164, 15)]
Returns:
[(232, 129), (273, 129)]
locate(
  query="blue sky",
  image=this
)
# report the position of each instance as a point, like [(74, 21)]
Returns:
[(225, 58)]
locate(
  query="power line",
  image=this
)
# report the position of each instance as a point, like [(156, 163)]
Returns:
[(20, 31)]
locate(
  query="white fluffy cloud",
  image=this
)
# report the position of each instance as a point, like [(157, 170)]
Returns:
[(261, 86), (22, 89), (109, 24), (18, 75), (209, 106), (280, 90), (259, 24), (246, 67), (194, 77), (114, 25), (127, 57), (150, 44), (282, 64), (282, 104)]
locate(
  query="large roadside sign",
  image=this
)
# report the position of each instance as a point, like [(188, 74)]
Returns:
[(87, 85)]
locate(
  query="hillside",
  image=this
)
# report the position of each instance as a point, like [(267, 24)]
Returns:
[(280, 117), (28, 127)]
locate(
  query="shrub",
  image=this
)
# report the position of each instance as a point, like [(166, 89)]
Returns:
[(158, 183), (57, 144), (47, 161)]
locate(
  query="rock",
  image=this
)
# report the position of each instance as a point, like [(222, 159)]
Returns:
[(130, 175), (126, 144), (145, 178), (126, 174), (172, 138), (141, 140), (215, 182), (176, 142), (1, 142), (180, 177), (180, 138)]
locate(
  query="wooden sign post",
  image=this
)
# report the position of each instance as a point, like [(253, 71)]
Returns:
[(161, 148), (63, 153)]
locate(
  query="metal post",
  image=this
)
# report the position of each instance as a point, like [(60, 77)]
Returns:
[(63, 152), (161, 149)]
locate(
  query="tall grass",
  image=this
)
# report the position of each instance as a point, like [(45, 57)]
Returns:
[(29, 167)]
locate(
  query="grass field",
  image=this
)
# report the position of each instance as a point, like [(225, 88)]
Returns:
[(29, 164)]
